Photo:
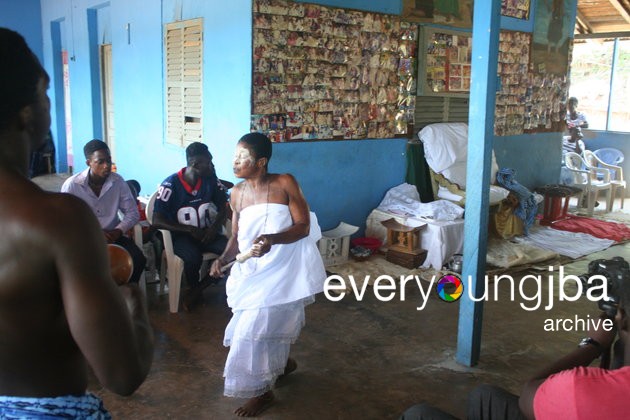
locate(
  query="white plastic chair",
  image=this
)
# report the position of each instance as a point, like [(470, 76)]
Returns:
[(610, 155), (585, 178), (172, 267), (617, 182), (137, 238)]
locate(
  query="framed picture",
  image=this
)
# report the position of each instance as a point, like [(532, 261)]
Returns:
[(444, 58), (445, 12), (518, 9), (551, 37)]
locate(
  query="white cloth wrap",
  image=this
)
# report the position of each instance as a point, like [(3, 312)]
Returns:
[(267, 296), (287, 273)]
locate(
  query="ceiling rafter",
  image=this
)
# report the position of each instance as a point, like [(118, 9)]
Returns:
[(584, 24), (621, 9)]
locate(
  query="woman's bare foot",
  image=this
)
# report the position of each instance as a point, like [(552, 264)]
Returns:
[(290, 367), (256, 405)]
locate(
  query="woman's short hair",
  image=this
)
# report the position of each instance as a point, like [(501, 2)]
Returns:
[(259, 143)]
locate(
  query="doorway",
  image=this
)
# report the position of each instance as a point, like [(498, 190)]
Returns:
[(107, 93)]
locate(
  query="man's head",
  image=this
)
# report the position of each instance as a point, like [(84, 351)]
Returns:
[(199, 159), (572, 104), (98, 158), (24, 104)]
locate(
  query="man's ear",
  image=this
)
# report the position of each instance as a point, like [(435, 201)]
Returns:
[(262, 162), (25, 117)]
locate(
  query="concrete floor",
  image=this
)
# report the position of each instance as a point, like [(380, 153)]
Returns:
[(357, 360)]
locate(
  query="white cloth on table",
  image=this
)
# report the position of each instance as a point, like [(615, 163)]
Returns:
[(441, 239), (267, 296), (404, 199)]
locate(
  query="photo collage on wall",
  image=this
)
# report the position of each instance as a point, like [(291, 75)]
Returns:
[(527, 101), (518, 9), (328, 73), (448, 62)]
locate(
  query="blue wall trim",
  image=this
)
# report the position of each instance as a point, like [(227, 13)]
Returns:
[(393, 7)]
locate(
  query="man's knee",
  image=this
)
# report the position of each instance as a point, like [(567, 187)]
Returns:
[(483, 392), (424, 411), (492, 402)]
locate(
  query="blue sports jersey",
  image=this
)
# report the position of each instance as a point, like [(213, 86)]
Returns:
[(190, 205)]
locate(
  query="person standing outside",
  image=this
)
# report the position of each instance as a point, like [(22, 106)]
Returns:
[(268, 292), (107, 194), (60, 308), (192, 204)]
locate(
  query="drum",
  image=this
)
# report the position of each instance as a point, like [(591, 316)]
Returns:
[(120, 263)]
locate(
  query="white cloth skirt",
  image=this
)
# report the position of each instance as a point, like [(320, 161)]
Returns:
[(259, 341)]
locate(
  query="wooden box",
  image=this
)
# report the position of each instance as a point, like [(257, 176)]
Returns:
[(408, 260)]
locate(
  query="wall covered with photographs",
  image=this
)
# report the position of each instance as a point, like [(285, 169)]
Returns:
[(329, 73), (518, 9), (527, 100)]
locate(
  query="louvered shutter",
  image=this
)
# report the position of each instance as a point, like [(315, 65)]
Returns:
[(184, 65)]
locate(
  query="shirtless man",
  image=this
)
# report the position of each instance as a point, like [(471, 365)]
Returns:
[(60, 309)]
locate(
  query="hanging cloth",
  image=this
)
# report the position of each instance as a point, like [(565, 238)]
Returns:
[(418, 171)]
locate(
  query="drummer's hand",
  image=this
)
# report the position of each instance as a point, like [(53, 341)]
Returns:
[(261, 245), (112, 235), (215, 269)]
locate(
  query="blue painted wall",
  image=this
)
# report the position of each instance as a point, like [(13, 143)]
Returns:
[(535, 157), (392, 7), (342, 181), (24, 17)]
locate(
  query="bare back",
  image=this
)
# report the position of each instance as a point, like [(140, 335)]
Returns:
[(57, 300)]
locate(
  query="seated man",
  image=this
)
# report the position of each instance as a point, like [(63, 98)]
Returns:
[(192, 204), (107, 193), (568, 388), (60, 308)]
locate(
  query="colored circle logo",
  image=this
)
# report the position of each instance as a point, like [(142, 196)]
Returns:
[(450, 288)]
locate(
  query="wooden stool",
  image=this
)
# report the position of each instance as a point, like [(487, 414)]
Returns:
[(403, 244)]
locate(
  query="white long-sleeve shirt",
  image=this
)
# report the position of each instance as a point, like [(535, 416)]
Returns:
[(115, 196)]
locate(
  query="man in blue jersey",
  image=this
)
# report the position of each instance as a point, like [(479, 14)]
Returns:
[(192, 204)]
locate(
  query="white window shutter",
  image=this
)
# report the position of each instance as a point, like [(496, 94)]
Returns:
[(184, 81)]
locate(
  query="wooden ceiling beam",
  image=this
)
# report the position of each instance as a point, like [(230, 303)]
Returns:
[(620, 34), (584, 23), (622, 10)]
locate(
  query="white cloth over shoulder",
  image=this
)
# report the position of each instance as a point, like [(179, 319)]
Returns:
[(404, 199), (287, 273)]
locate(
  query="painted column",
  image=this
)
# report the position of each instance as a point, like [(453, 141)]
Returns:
[(480, 136)]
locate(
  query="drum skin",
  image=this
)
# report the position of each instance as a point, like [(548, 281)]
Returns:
[(120, 263)]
